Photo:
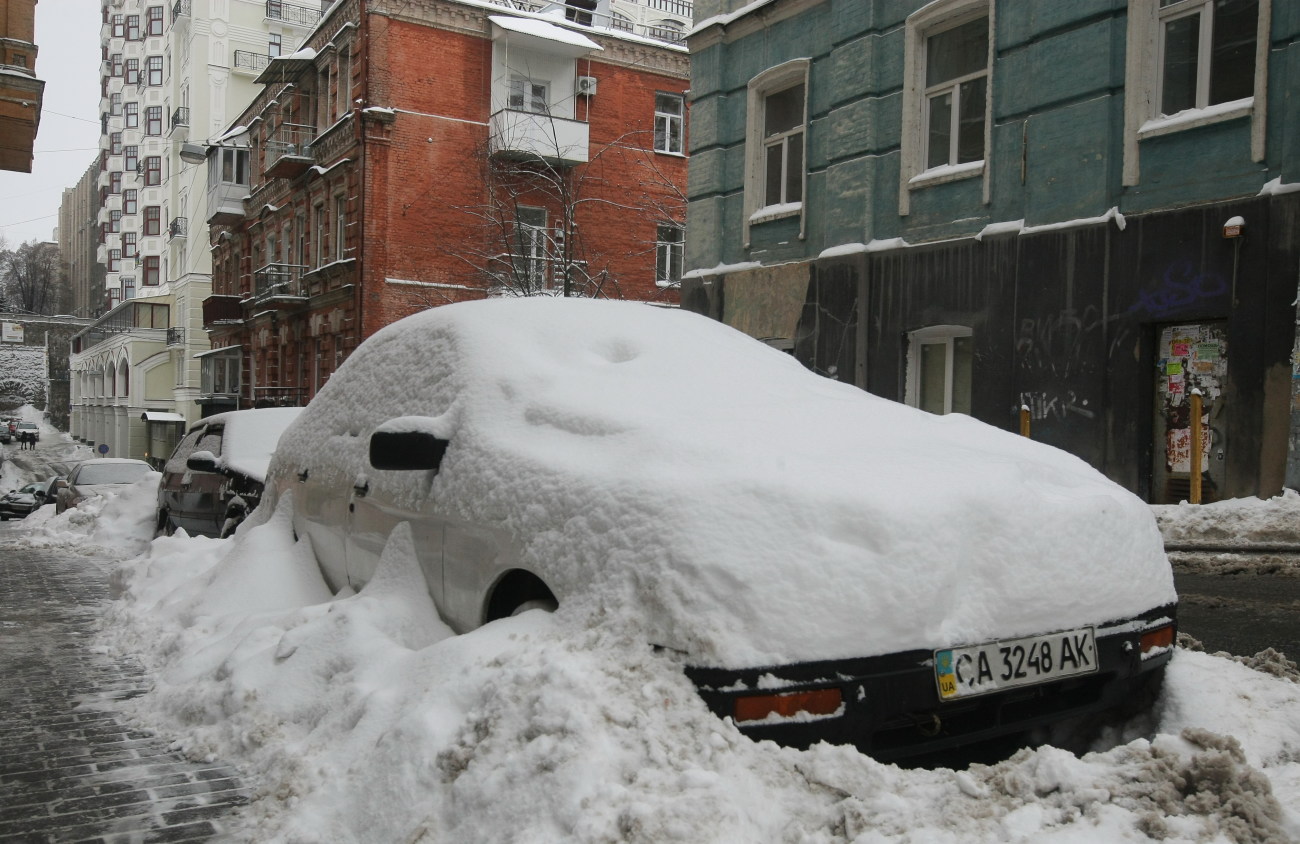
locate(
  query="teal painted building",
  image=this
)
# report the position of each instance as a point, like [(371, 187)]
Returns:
[(1088, 208)]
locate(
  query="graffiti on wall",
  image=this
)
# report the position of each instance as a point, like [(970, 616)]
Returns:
[(1180, 287), (1061, 353)]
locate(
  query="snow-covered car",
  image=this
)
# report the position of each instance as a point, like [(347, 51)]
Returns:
[(824, 563), (20, 503), (29, 428), (214, 477), (99, 476)]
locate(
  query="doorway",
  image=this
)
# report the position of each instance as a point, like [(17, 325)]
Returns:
[(1189, 356)]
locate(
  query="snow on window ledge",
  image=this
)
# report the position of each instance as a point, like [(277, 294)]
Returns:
[(776, 212), (1193, 117), (946, 173)]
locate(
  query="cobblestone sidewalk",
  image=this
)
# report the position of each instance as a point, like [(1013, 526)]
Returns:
[(70, 768)]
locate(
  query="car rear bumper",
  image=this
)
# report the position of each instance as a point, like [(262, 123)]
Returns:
[(890, 707)]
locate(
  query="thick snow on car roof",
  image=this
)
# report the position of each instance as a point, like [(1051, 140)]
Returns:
[(663, 468), (250, 436)]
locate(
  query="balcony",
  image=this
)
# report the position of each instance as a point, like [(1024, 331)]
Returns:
[(527, 134), (226, 203), (676, 8), (246, 61), (288, 150), (180, 9), (180, 117), (279, 284), (294, 15), (176, 336), (218, 310), (178, 227)]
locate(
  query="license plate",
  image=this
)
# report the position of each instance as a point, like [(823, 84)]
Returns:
[(980, 669)]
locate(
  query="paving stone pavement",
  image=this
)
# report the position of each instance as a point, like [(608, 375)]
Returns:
[(71, 768)]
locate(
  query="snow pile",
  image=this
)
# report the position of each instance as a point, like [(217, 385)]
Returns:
[(362, 718), (1232, 522), (745, 512), (118, 522)]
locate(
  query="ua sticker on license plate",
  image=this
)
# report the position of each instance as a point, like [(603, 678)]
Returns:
[(980, 669)]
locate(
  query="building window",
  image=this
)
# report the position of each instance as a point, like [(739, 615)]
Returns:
[(129, 202), (114, 221), (318, 237), (114, 260), (154, 66), (529, 250), (274, 45), (119, 26), (129, 249), (234, 165), (153, 121), (152, 271), (154, 15), (956, 90), (1193, 63), (132, 118), (132, 71), (774, 144), (115, 140), (340, 226), (115, 182), (668, 255), (939, 363), (345, 79), (131, 157), (133, 28), (946, 95), (220, 373), (529, 95), (668, 122), (115, 104), (153, 170), (115, 65), (152, 220)]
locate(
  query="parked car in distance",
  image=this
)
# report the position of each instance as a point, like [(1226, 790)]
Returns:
[(825, 564), (22, 502), (214, 477), (29, 428), (99, 476), (5, 436)]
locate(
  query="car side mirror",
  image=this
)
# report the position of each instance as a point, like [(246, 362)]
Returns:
[(60, 484), (406, 451), (202, 461)]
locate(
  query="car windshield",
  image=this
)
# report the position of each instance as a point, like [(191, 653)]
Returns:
[(112, 473), (32, 488), (27, 425)]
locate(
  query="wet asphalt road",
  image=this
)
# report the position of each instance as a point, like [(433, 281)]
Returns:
[(1241, 613)]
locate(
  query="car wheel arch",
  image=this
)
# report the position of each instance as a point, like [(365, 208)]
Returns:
[(515, 591)]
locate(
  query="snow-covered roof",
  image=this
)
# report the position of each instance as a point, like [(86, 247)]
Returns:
[(544, 30)]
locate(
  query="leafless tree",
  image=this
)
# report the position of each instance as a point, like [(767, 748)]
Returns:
[(33, 279)]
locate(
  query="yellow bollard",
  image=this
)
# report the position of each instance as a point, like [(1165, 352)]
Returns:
[(1024, 420), (1195, 491)]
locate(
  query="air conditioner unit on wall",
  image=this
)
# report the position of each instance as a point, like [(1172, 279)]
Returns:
[(585, 86)]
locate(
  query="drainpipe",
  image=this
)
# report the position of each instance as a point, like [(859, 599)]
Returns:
[(1293, 438)]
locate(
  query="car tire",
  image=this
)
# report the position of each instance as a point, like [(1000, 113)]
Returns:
[(165, 527), (520, 591)]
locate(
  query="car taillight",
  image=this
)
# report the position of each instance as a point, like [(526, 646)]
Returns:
[(787, 705), (1161, 637)]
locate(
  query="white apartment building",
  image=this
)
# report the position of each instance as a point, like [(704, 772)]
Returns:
[(173, 73)]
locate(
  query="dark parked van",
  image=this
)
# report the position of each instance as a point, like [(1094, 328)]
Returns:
[(214, 477)]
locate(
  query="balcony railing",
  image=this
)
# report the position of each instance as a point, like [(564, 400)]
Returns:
[(180, 9), (176, 336), (178, 227), (289, 13), (279, 396), (278, 281), (250, 62), (288, 150), (181, 117), (677, 8)]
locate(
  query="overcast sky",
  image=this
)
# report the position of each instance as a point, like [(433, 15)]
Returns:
[(67, 40)]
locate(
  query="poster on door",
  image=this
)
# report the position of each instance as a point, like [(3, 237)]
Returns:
[(1189, 357), (1178, 447)]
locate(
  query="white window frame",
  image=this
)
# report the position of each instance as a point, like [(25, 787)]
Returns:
[(670, 253), (931, 20), (534, 237), (518, 100), (668, 120), (932, 336), (1144, 82), (772, 81)]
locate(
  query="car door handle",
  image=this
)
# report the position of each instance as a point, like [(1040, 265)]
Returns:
[(361, 490)]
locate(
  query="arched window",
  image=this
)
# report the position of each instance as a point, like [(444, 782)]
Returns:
[(123, 379)]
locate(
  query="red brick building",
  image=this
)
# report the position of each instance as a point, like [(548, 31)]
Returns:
[(420, 152)]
